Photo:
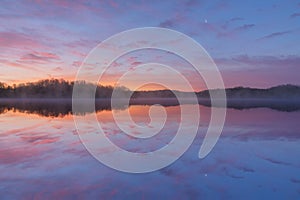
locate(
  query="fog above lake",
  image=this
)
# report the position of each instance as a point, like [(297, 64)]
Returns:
[(62, 107)]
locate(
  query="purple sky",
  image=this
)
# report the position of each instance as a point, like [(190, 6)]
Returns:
[(254, 43)]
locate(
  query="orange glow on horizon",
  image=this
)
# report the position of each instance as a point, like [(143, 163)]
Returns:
[(104, 82)]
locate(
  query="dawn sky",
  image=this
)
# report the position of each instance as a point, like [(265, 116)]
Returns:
[(253, 43)]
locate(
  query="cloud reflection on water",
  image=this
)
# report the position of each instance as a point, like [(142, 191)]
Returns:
[(258, 152)]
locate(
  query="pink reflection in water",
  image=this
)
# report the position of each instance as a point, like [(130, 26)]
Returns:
[(42, 157)]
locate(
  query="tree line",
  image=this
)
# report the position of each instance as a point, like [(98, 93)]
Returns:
[(60, 88), (51, 88)]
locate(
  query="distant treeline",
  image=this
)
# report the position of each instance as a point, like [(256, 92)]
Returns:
[(286, 92), (50, 88), (59, 88), (54, 88)]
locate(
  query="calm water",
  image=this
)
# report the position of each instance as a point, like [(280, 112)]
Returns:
[(41, 157)]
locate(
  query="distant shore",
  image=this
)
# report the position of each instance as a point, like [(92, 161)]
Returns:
[(58, 105), (61, 89), (54, 92)]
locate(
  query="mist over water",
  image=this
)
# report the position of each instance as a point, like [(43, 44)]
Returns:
[(62, 107)]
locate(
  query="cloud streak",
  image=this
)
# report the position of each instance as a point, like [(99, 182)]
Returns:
[(40, 56), (18, 40), (261, 61), (17, 64), (245, 27), (275, 34), (236, 19), (294, 15)]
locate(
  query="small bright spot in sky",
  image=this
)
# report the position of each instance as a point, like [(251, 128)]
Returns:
[(205, 21)]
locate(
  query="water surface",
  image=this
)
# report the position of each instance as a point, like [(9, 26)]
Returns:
[(42, 157)]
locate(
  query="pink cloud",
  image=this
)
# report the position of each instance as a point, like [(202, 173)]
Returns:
[(63, 8), (76, 63), (17, 64), (18, 40), (40, 56), (78, 54), (116, 64), (136, 63), (57, 69)]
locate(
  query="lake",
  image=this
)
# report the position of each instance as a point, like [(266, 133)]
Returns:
[(42, 157)]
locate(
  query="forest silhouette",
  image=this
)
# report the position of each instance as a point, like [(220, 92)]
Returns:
[(59, 88)]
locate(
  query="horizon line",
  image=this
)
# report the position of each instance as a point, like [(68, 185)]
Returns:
[(166, 89)]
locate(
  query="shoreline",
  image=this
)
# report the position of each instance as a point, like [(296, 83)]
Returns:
[(66, 104)]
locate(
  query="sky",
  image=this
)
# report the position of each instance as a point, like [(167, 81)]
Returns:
[(253, 43)]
